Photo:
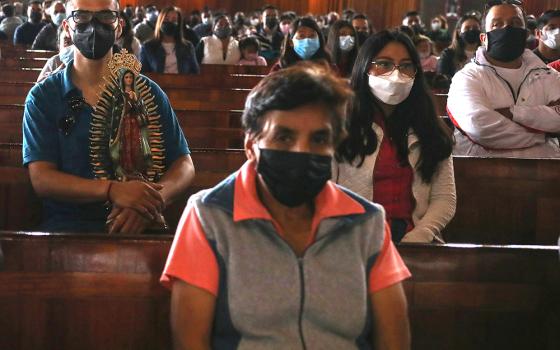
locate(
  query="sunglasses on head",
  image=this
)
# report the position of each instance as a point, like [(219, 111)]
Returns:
[(66, 124)]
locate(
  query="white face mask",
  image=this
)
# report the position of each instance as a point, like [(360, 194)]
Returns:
[(436, 26), (346, 42), (551, 38), (391, 89)]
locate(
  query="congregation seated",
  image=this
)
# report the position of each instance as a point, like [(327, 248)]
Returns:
[(249, 48), (505, 102), (220, 47), (269, 34), (127, 40), (363, 27), (168, 52), (398, 151), (548, 35), (305, 43), (145, 30), (205, 28), (343, 47), (439, 34), (466, 39), (26, 33), (122, 178), (10, 22), (62, 58), (424, 46), (47, 38)]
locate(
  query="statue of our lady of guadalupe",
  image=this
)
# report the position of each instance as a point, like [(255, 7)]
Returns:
[(125, 137)]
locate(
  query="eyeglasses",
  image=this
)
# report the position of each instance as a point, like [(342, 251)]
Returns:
[(492, 3), (386, 67), (66, 124), (103, 17)]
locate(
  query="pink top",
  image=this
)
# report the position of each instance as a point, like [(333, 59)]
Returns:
[(429, 64), (260, 61)]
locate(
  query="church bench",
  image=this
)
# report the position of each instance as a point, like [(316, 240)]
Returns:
[(205, 79), (504, 200), (203, 129), (20, 209), (500, 201), (102, 292), (21, 62), (10, 51), (19, 75), (198, 98)]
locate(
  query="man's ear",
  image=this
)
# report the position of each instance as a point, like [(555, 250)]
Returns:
[(539, 34), (119, 29), (249, 145), (482, 37)]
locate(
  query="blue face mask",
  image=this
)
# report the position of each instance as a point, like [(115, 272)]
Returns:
[(58, 18), (306, 48)]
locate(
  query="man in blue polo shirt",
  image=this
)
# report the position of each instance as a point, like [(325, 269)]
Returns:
[(57, 129)]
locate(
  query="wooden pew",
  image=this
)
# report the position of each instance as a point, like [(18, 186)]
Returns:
[(500, 201), (20, 209), (22, 62), (220, 99), (207, 80), (503, 201), (204, 129), (10, 51), (19, 75), (102, 292)]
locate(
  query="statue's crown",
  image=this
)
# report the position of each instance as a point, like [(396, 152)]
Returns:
[(126, 60)]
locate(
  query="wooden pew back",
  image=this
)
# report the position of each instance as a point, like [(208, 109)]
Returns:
[(101, 292)]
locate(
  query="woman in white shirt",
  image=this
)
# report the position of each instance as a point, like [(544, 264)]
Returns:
[(168, 52), (220, 47)]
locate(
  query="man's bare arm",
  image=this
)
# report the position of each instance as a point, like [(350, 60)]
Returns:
[(177, 179), (49, 182)]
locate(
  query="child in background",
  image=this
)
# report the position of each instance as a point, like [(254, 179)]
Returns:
[(424, 47), (249, 48)]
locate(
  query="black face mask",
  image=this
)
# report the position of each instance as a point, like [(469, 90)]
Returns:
[(362, 37), (271, 23), (223, 33), (417, 29), (506, 44), (35, 16), (169, 28), (471, 36), (94, 39), (294, 178)]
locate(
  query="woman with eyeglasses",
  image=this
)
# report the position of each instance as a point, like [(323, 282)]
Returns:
[(169, 52), (398, 151), (305, 43)]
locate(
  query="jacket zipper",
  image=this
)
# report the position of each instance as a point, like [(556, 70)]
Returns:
[(302, 302), (507, 83)]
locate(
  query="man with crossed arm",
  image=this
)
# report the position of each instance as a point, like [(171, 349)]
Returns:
[(506, 103)]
